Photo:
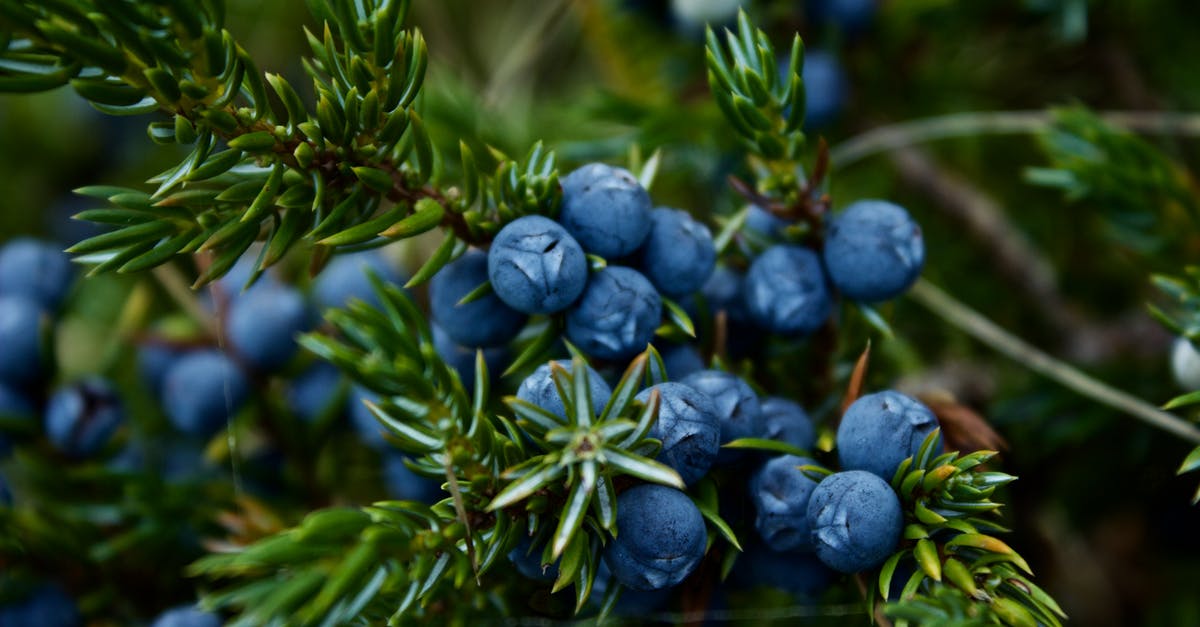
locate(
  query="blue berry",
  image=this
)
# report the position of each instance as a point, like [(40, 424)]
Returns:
[(202, 391), (264, 323), (785, 291), (855, 519), (688, 428), (486, 321), (37, 270), (6, 497), (462, 359), (402, 483), (44, 606), (369, 429), (780, 493), (678, 255), (764, 222), (22, 360), (605, 209), (738, 409), (617, 316), (681, 360), (786, 421), (536, 267), (345, 278), (315, 392), (539, 389), (186, 616), (81, 418), (874, 251), (660, 538), (527, 558), (880, 430), (825, 88)]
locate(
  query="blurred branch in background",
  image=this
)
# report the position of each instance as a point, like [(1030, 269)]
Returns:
[(978, 123), (979, 327)]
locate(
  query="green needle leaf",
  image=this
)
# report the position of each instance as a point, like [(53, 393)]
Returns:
[(524, 487), (577, 506), (642, 468)]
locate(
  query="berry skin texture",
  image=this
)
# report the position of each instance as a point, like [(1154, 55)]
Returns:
[(536, 267), (873, 251), (605, 209), (737, 407), (486, 321), (855, 519), (36, 270), (186, 616), (264, 323), (617, 316), (678, 255), (880, 430), (786, 421), (660, 538), (539, 389), (345, 278), (780, 493), (81, 418), (786, 292), (21, 360), (202, 391), (688, 428)]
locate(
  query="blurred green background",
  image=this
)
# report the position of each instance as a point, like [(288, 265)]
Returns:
[(1098, 511)]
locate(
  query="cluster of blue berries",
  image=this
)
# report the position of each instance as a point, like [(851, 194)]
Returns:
[(873, 251), (79, 418), (203, 388), (539, 266), (850, 520)]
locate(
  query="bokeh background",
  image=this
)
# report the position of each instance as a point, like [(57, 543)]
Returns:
[(1099, 512)]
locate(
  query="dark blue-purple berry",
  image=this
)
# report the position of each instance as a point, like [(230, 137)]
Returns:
[(660, 538), (536, 267), (485, 321), (678, 255), (82, 417), (786, 292), (873, 251), (855, 519), (605, 209), (617, 316), (688, 428)]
